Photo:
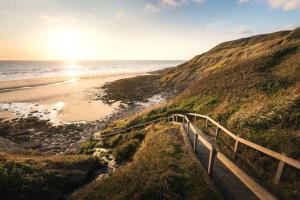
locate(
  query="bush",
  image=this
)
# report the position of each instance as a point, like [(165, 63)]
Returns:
[(125, 150), (87, 147), (114, 140), (44, 177)]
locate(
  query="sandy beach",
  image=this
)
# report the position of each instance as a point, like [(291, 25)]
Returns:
[(61, 99)]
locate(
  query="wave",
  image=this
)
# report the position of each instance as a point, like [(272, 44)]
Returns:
[(14, 70)]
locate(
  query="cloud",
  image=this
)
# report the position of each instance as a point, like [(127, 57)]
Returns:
[(246, 32), (170, 2), (156, 8), (285, 5), (58, 20), (152, 8), (291, 5), (243, 1), (174, 3)]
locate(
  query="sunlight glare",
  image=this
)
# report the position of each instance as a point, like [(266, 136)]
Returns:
[(67, 44)]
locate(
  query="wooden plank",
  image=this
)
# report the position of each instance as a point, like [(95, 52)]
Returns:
[(202, 139), (215, 123), (235, 148), (258, 190), (211, 161), (278, 156), (217, 130), (195, 141), (293, 162), (278, 172)]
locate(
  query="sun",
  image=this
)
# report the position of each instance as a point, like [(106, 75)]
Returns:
[(66, 44)]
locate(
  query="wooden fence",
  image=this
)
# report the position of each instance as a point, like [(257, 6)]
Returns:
[(258, 190)]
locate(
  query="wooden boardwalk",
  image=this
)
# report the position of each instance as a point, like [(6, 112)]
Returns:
[(232, 181), (227, 183)]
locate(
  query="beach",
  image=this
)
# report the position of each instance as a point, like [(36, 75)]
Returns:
[(60, 99), (54, 107)]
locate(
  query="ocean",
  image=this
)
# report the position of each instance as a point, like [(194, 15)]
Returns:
[(14, 70)]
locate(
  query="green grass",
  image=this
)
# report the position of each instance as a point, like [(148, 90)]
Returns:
[(87, 147), (162, 168), (43, 177)]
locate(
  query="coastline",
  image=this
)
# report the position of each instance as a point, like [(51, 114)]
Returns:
[(74, 96), (53, 118)]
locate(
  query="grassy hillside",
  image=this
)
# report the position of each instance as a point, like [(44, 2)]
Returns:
[(43, 177), (162, 168), (252, 87)]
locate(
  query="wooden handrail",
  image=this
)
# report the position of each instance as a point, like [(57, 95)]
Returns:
[(293, 162), (290, 161), (112, 133)]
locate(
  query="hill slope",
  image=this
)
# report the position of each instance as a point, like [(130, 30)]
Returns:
[(252, 87), (251, 83)]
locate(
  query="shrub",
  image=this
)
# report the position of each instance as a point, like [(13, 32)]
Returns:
[(125, 150), (114, 140), (87, 147), (44, 177)]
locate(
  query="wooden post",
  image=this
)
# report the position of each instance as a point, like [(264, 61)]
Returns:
[(236, 147), (211, 161), (279, 171), (195, 141), (176, 118), (195, 118), (206, 124), (217, 130)]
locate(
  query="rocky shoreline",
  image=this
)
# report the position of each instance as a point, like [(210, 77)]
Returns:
[(39, 134), (32, 133)]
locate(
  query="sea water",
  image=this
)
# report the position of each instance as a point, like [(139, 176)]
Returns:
[(14, 70)]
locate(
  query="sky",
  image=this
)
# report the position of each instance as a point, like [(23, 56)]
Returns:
[(134, 29)]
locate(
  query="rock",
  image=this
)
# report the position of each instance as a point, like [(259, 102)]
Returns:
[(31, 130), (10, 146), (31, 145), (20, 132)]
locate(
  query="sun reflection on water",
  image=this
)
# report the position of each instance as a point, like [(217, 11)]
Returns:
[(73, 70)]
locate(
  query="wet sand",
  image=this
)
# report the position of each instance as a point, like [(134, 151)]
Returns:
[(76, 94)]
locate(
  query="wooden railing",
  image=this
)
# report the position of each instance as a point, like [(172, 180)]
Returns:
[(258, 190), (281, 157)]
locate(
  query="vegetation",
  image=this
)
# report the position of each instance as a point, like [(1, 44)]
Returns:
[(43, 177), (87, 147), (251, 86), (131, 90), (162, 168)]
